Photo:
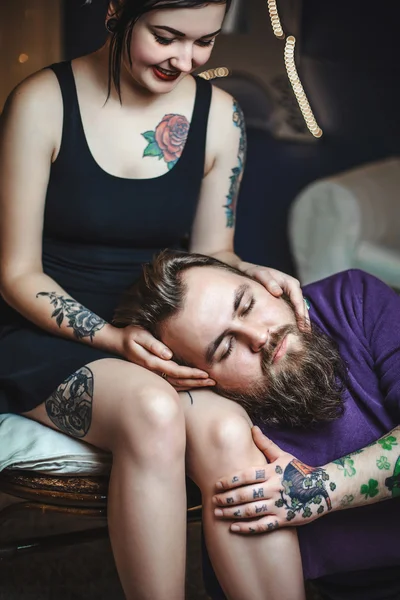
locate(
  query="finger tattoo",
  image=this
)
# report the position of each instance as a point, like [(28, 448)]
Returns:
[(260, 474), (273, 526), (229, 500), (260, 509), (258, 493)]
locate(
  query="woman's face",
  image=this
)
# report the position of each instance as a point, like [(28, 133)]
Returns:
[(169, 44)]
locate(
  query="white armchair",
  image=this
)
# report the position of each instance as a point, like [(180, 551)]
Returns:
[(351, 220)]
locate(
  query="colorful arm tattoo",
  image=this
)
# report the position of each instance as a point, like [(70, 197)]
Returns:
[(235, 178), (380, 461), (304, 489)]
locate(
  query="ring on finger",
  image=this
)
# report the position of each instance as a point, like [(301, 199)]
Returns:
[(164, 375)]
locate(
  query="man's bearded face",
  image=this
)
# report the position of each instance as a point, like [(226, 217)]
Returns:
[(306, 389), (250, 344)]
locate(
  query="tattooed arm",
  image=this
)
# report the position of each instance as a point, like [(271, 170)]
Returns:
[(30, 136), (214, 225), (368, 475), (41, 300), (289, 492), (53, 310)]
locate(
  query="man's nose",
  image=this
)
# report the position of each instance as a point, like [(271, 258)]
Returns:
[(183, 61), (257, 337)]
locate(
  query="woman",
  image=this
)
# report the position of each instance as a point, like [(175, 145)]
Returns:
[(103, 162)]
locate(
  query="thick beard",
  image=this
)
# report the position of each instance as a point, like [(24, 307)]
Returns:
[(306, 389)]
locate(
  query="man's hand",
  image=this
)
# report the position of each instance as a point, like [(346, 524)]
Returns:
[(284, 492)]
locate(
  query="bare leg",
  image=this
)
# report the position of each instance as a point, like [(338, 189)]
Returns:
[(138, 417), (264, 567)]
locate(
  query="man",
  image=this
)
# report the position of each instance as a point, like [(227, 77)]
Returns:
[(328, 394)]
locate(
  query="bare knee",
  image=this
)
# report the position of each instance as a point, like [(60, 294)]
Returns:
[(150, 422), (160, 408)]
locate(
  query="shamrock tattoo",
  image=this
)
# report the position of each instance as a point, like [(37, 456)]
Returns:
[(346, 500), (388, 442), (370, 490), (383, 463), (346, 464)]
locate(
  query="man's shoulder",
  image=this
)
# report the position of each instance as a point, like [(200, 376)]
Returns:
[(352, 281), (353, 299)]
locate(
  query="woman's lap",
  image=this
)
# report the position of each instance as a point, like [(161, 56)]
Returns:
[(104, 397)]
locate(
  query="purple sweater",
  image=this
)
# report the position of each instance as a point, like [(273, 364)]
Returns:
[(363, 315)]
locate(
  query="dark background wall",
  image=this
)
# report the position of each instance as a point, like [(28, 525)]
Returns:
[(349, 61), (83, 27)]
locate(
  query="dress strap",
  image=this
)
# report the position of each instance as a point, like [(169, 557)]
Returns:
[(193, 157), (71, 119), (201, 110)]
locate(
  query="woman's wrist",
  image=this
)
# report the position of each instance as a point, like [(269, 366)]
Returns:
[(110, 338), (229, 257)]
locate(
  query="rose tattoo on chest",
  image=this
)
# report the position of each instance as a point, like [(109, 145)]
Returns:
[(168, 140)]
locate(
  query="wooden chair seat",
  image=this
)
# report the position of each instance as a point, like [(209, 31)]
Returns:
[(84, 496)]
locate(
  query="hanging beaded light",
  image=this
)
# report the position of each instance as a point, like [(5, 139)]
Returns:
[(290, 64)]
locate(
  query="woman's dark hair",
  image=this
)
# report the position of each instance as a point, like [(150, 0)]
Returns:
[(127, 12)]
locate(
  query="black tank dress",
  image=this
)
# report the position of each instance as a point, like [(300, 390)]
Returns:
[(98, 230)]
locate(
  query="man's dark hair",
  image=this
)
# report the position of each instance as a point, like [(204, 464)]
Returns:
[(160, 291), (127, 12)]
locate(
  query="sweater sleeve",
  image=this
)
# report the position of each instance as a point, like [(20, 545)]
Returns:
[(381, 324)]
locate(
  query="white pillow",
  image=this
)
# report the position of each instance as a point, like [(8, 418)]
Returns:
[(26, 444)]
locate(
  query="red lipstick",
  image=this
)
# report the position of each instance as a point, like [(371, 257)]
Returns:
[(165, 75)]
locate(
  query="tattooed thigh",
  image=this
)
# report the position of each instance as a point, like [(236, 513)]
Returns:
[(70, 406)]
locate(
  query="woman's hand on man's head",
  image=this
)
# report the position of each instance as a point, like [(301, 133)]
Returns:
[(278, 283), (140, 347)]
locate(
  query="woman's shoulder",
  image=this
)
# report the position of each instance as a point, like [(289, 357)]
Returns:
[(223, 105), (34, 105), (38, 94)]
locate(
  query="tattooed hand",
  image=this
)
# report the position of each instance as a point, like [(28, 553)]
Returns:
[(140, 347), (284, 492), (278, 283)]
